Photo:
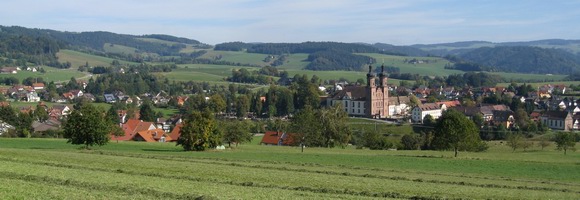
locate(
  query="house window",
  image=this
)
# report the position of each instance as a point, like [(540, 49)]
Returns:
[(359, 104), (352, 110), (353, 104)]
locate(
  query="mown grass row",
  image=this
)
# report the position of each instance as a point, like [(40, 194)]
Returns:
[(458, 179), (370, 186), (160, 194)]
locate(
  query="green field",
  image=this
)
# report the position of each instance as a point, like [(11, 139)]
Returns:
[(52, 169), (237, 57), (52, 74), (78, 58)]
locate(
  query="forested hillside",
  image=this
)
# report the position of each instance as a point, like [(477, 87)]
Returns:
[(18, 50), (400, 50), (97, 40), (524, 59)]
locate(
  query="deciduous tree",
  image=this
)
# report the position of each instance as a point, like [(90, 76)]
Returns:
[(454, 131), (199, 132), (87, 126), (565, 141)]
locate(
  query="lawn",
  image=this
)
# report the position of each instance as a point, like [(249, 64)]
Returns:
[(133, 170)]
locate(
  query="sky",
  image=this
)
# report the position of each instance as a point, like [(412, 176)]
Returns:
[(402, 22)]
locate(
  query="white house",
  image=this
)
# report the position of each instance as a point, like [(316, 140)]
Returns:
[(352, 100), (398, 105), (32, 97), (418, 113)]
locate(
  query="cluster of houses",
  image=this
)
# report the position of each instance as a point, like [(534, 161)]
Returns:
[(159, 131), (54, 122), (375, 101), (38, 92)]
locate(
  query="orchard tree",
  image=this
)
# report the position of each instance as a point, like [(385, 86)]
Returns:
[(199, 132), (454, 131), (515, 140), (87, 126), (565, 141), (236, 132)]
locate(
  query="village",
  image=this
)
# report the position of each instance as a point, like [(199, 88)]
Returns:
[(496, 106)]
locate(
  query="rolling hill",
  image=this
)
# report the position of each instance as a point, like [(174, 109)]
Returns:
[(524, 59)]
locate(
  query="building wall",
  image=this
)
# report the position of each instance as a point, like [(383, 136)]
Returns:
[(417, 115), (355, 108)]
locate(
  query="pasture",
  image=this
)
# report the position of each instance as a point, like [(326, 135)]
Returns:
[(52, 74), (77, 59), (50, 168)]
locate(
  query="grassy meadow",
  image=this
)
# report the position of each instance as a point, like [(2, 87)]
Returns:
[(77, 59), (52, 74), (50, 168)]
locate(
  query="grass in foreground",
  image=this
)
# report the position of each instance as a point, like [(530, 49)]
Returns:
[(162, 171)]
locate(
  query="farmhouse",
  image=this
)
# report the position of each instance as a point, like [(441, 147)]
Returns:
[(38, 86), (8, 70), (278, 138)]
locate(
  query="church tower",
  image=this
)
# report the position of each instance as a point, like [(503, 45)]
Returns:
[(377, 96)]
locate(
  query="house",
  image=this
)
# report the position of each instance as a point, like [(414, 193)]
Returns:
[(5, 127), (58, 111), (38, 86), (278, 138), (27, 109), (8, 70), (110, 98), (155, 135), (418, 113), (559, 120), (175, 133), (32, 97), (88, 96), (77, 93), (50, 124), (504, 118), (132, 127), (166, 124), (398, 105), (352, 98), (449, 104), (68, 95)]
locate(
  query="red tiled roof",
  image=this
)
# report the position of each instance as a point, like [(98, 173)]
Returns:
[(151, 135), (175, 133), (273, 137), (38, 85), (449, 103)]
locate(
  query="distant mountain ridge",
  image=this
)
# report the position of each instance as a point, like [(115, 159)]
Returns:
[(39, 46), (455, 48)]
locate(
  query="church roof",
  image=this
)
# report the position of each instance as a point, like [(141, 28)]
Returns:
[(356, 93)]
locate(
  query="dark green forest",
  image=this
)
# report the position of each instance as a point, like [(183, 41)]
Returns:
[(524, 59)]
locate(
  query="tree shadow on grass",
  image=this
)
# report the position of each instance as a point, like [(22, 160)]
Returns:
[(40, 148), (163, 150)]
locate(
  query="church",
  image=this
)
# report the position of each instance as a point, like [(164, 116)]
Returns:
[(371, 101)]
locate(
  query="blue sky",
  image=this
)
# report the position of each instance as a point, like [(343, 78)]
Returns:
[(394, 22)]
